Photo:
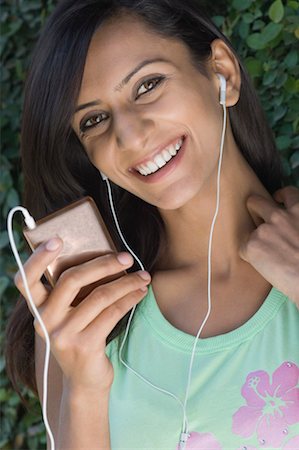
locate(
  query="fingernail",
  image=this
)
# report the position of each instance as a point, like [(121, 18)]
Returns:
[(124, 258), (53, 244), (144, 275)]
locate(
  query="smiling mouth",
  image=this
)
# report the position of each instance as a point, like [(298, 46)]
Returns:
[(160, 160)]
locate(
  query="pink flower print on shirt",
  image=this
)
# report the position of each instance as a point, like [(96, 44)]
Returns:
[(271, 407), (201, 441), (247, 447), (292, 444)]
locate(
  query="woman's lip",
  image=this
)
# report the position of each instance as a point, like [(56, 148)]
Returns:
[(165, 170)]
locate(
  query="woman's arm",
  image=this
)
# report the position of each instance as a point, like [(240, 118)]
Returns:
[(81, 374), (78, 419), (273, 248), (84, 420)]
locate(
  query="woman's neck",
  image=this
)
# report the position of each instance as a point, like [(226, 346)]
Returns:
[(188, 228), (180, 276)]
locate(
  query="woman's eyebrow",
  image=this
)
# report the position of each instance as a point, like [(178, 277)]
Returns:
[(86, 105), (123, 82), (137, 68)]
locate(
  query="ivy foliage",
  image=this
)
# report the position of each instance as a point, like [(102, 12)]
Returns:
[(265, 35)]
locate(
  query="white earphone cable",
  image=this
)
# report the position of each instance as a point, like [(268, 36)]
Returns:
[(31, 224), (209, 260), (133, 310), (184, 434)]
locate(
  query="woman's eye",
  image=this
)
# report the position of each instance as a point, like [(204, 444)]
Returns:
[(92, 121), (148, 85)]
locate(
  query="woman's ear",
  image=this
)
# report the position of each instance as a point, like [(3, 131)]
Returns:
[(224, 62)]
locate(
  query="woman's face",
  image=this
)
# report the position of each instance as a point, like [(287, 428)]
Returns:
[(141, 101)]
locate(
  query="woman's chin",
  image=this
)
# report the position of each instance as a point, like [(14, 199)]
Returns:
[(175, 198)]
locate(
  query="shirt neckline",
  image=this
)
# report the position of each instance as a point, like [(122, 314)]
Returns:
[(150, 312)]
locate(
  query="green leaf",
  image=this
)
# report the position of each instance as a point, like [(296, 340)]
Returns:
[(258, 41), (294, 160), (5, 180), (19, 69), (291, 59), (3, 239), (286, 167), (258, 25), (294, 4), (14, 27), (3, 395), (295, 142), (276, 11), (277, 99), (243, 30), (2, 363), (4, 282), (254, 67), (292, 85), (248, 17), (218, 20), (240, 5), (281, 80), (12, 198), (255, 42), (270, 32), (269, 77), (283, 142), (280, 112)]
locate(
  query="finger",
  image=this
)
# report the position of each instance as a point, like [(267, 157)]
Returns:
[(34, 269), (260, 208), (108, 319), (288, 195), (103, 297), (264, 241), (73, 279)]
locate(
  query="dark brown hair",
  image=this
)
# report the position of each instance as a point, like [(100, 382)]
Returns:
[(55, 166)]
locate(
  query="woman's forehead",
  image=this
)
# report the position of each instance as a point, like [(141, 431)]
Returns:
[(120, 45), (123, 27)]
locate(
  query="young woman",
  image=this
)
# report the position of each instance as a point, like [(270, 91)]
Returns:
[(131, 89)]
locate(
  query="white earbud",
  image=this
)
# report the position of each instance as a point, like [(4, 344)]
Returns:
[(222, 99)]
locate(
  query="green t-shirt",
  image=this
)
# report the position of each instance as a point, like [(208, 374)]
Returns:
[(244, 391)]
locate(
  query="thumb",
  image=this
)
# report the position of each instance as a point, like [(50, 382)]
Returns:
[(243, 248)]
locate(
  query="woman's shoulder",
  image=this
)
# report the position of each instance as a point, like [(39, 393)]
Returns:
[(280, 298)]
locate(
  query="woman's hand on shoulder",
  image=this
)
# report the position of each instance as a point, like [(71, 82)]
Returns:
[(273, 247)]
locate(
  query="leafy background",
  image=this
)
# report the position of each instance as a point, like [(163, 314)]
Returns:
[(264, 33)]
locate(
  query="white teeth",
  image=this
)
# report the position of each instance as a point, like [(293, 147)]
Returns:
[(145, 168), (166, 155), (160, 160), (152, 166), (172, 150), (178, 144)]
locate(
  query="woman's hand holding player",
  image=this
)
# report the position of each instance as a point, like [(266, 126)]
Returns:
[(78, 334)]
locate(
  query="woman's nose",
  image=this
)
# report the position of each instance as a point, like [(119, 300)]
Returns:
[(132, 130)]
